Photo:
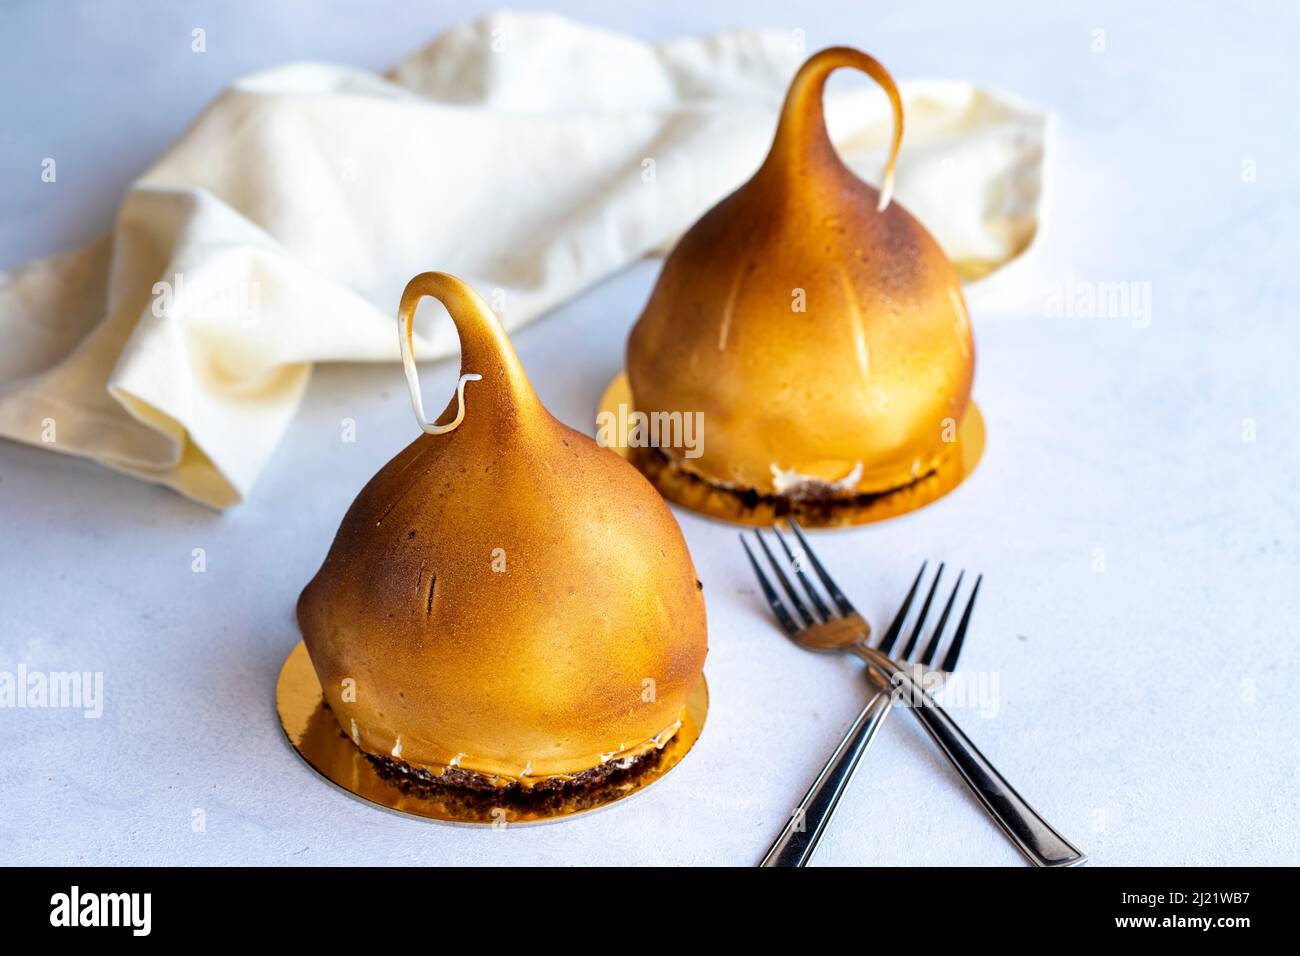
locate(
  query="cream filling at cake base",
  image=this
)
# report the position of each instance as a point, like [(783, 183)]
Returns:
[(790, 484), (786, 482), (622, 758)]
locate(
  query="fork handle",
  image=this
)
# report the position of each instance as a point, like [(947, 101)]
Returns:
[(795, 845), (1035, 838)]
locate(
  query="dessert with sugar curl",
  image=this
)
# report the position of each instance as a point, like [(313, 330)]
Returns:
[(507, 605), (817, 325)]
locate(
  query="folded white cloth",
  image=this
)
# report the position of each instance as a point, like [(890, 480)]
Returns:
[(528, 154)]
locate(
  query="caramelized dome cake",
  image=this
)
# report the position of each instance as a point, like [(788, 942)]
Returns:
[(506, 603), (817, 326)]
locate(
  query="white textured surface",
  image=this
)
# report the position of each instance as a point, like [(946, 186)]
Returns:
[(1149, 709)]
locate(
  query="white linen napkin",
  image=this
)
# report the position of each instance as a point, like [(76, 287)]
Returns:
[(528, 154)]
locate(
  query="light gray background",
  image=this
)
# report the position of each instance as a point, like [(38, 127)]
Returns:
[(1148, 709)]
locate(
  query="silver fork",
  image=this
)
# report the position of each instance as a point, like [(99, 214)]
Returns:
[(845, 630), (798, 840)]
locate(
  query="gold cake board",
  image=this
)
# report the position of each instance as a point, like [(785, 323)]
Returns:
[(316, 736), (724, 504)]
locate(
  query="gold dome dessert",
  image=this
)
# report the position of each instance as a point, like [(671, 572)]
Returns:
[(506, 603), (817, 326)]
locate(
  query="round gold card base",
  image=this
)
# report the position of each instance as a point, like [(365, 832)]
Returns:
[(700, 496), (315, 734)]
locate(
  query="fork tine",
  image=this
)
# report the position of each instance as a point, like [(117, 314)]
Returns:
[(925, 611), (933, 646), (800, 608), (950, 662), (832, 588), (773, 599), (891, 635), (813, 593)]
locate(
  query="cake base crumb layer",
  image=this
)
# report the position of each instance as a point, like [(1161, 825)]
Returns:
[(816, 505), (469, 786)]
